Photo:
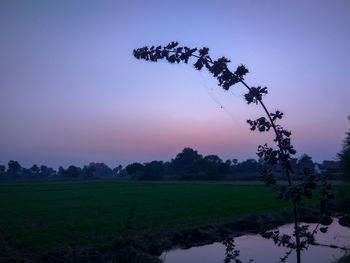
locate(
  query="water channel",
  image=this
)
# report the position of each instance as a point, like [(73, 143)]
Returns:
[(253, 246)]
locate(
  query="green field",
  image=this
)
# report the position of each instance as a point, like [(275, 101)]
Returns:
[(42, 215)]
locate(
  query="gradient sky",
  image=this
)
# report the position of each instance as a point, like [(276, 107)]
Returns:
[(72, 93)]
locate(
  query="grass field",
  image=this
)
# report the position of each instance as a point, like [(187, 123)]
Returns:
[(42, 215)]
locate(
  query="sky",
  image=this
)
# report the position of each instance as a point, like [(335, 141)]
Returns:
[(72, 93)]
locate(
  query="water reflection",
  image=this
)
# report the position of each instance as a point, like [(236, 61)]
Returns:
[(262, 250)]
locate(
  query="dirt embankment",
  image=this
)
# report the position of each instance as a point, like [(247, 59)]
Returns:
[(146, 249)]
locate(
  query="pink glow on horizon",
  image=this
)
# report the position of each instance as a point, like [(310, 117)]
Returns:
[(71, 91)]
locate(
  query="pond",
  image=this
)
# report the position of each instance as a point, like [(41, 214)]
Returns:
[(253, 246)]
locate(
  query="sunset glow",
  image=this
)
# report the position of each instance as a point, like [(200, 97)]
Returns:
[(72, 93)]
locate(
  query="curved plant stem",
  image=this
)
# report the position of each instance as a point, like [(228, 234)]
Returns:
[(279, 143), (283, 152), (295, 211)]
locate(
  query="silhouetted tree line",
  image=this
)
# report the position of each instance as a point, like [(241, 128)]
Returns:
[(187, 165), (14, 171), (190, 165), (344, 155)]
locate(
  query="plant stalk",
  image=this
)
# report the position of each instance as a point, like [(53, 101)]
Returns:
[(295, 211)]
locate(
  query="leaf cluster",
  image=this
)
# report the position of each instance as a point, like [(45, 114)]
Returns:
[(255, 94), (175, 54)]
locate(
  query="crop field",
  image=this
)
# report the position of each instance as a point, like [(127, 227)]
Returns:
[(39, 216)]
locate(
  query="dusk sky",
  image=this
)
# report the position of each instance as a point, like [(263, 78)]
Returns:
[(72, 93)]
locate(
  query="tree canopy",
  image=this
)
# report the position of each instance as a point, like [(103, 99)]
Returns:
[(344, 155)]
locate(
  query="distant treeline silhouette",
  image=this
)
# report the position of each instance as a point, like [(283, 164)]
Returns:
[(15, 171), (187, 165)]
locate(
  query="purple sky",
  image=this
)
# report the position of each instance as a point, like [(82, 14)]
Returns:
[(72, 93)]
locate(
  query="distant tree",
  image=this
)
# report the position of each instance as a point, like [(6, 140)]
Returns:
[(34, 171), (123, 173), (331, 167), (234, 161), (186, 163), (72, 172), (25, 173), (213, 159), (245, 170), (305, 162), (102, 170), (152, 171), (134, 168), (14, 169), (344, 155), (250, 166), (89, 171), (168, 170), (117, 170), (212, 167), (2, 171), (223, 168), (46, 172), (294, 164), (61, 173)]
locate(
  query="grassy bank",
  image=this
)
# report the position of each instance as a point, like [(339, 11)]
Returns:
[(40, 216)]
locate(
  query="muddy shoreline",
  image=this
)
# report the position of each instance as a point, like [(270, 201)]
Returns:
[(147, 248)]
